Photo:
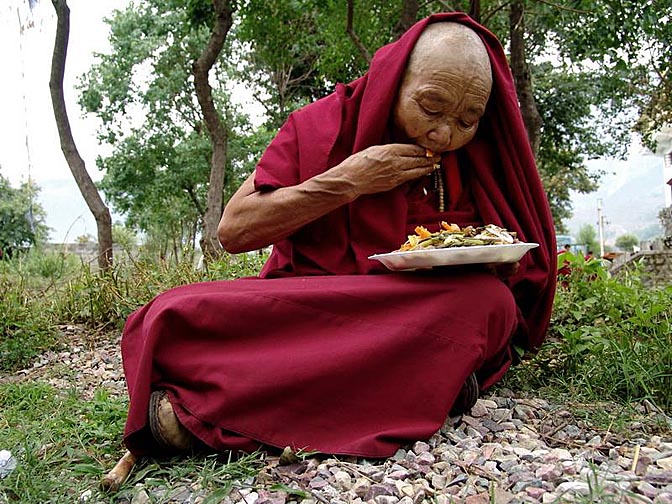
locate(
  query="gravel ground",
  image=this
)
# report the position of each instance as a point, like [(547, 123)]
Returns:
[(509, 449)]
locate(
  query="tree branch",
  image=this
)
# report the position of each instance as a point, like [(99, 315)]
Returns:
[(353, 36), (409, 15), (445, 5), (562, 7), (491, 14)]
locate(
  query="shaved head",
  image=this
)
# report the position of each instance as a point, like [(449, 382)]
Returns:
[(452, 44), (445, 88)]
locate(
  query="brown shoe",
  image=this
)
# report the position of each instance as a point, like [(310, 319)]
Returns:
[(466, 398), (167, 430)]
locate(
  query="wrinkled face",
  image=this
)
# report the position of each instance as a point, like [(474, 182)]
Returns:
[(444, 93)]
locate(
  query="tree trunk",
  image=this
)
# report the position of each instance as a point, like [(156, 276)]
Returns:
[(475, 10), (216, 129), (409, 15), (86, 186), (522, 76)]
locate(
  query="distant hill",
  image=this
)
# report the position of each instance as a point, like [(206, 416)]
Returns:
[(632, 193)]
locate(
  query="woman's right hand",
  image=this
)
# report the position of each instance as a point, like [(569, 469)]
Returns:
[(380, 168)]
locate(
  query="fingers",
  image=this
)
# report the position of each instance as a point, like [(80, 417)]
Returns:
[(423, 155), (503, 270)]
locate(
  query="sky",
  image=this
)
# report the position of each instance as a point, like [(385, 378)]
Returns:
[(29, 143)]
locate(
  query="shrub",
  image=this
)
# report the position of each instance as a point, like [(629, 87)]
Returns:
[(609, 339)]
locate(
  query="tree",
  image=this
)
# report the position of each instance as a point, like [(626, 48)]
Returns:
[(562, 105), (216, 129), (520, 68), (21, 218), (77, 166), (158, 173), (588, 237), (632, 41), (627, 242), (294, 52)]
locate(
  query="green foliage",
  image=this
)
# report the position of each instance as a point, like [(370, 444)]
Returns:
[(291, 53), (44, 289), (570, 135), (627, 242), (21, 218), (125, 237), (158, 173), (587, 237), (631, 43), (610, 340), (56, 452), (25, 329)]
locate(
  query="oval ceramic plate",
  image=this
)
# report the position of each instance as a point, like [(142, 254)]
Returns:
[(428, 258)]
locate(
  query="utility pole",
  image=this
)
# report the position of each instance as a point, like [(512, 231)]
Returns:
[(600, 226)]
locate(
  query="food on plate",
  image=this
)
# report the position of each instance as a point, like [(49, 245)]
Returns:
[(451, 235)]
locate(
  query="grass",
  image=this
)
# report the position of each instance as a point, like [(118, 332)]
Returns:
[(608, 359), (62, 455), (610, 340)]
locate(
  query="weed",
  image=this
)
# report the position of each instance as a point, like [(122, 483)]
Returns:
[(610, 340)]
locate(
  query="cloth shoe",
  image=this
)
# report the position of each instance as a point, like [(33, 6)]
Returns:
[(466, 398), (167, 431)]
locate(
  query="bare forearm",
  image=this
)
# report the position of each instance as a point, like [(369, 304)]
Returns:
[(253, 220)]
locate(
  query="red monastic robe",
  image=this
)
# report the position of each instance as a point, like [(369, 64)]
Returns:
[(327, 350)]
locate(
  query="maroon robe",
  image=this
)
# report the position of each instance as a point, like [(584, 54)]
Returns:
[(328, 350)]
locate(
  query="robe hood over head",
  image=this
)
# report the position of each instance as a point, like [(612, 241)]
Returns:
[(506, 186)]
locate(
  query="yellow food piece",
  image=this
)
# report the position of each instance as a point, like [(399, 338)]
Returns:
[(453, 228), (422, 232)]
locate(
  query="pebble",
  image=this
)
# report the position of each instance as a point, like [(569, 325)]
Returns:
[(507, 450)]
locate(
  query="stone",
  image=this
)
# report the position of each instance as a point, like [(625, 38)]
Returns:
[(575, 487), (377, 490), (479, 410), (343, 480), (535, 492), (386, 499), (439, 481), (420, 447), (665, 463), (426, 458), (361, 487)]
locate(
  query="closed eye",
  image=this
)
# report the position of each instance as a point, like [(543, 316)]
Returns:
[(430, 112)]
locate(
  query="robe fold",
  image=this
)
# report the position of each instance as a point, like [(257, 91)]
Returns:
[(327, 350)]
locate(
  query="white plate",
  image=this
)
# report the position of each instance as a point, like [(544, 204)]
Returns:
[(427, 258)]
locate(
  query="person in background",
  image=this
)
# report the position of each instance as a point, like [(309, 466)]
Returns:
[(565, 257), (327, 350)]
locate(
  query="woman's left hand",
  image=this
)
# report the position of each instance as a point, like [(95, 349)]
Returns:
[(503, 270)]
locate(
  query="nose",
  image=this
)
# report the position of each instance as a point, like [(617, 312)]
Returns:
[(441, 135)]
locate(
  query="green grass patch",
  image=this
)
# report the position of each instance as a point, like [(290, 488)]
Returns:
[(610, 340), (26, 329), (64, 445)]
